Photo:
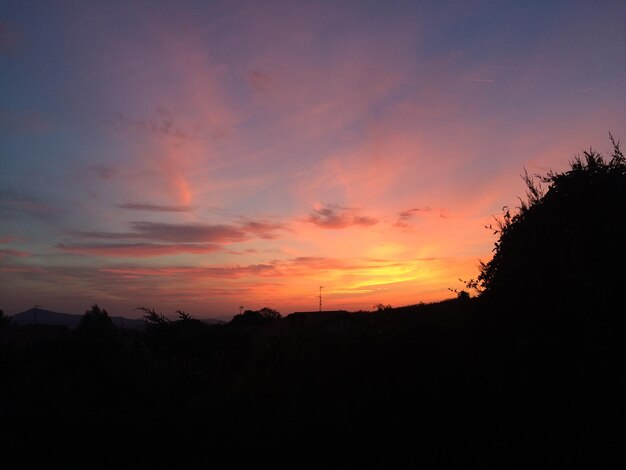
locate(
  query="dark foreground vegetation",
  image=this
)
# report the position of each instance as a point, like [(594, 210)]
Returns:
[(529, 372)]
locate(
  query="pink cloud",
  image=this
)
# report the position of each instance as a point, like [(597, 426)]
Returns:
[(195, 273), (263, 229), (406, 215), (4, 253), (136, 250), (154, 207), (178, 233), (336, 217), (260, 81)]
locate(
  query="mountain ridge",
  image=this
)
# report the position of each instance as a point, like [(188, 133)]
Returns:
[(48, 317)]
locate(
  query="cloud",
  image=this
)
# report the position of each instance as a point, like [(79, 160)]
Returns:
[(161, 124), (136, 250), (21, 269), (478, 80), (318, 263), (103, 172), (154, 207), (260, 81), (262, 229), (6, 239), (15, 203), (187, 233), (276, 268), (177, 233), (406, 215), (230, 272), (24, 122), (4, 253), (336, 217)]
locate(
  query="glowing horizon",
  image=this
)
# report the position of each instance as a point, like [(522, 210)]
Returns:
[(203, 156)]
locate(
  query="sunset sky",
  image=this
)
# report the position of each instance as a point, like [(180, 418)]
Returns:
[(204, 156)]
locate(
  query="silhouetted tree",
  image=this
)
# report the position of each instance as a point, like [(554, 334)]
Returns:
[(565, 245), (382, 307), (95, 319), (152, 318), (4, 319), (97, 332), (256, 317), (270, 313)]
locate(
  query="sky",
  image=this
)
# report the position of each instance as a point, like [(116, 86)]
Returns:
[(206, 156)]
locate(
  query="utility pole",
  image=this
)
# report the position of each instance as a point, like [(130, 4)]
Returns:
[(35, 314), (320, 298)]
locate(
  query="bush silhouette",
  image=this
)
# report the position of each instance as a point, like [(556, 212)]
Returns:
[(96, 334), (563, 247), (4, 318), (95, 319), (256, 317)]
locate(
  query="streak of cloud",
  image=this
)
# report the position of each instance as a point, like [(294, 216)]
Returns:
[(406, 215), (263, 229), (5, 253), (154, 207), (103, 172), (332, 216), (136, 250), (162, 124), (170, 232)]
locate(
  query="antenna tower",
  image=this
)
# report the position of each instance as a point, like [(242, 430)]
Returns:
[(320, 298), (35, 314)]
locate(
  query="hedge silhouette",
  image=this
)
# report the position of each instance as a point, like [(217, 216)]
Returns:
[(562, 247)]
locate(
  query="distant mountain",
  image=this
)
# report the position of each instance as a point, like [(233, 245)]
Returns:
[(46, 317)]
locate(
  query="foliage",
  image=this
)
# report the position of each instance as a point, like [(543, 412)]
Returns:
[(4, 319), (95, 319), (562, 244), (382, 308), (97, 335), (256, 317), (152, 318)]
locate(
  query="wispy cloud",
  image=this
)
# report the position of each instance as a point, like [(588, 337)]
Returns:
[(230, 272), (333, 216), (263, 229), (260, 81), (162, 124), (136, 250), (4, 253), (177, 233), (478, 80), (188, 232), (406, 215), (103, 172), (154, 207), (15, 203)]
